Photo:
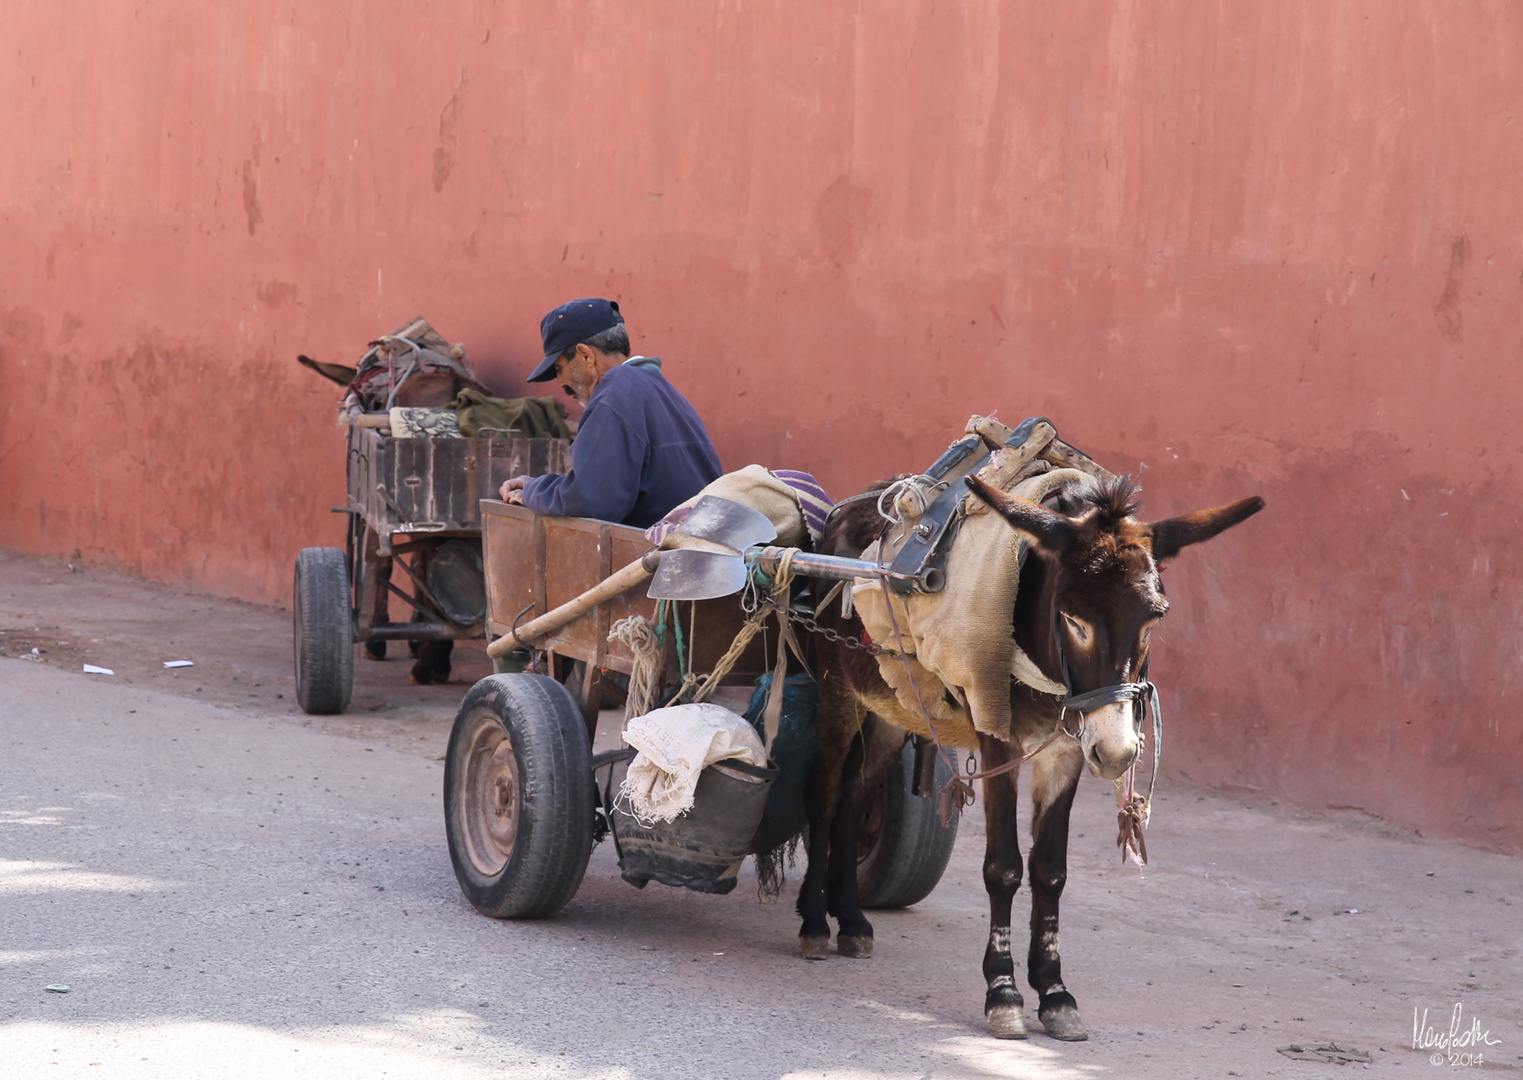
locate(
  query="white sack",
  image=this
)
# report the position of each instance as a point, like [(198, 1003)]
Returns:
[(675, 745)]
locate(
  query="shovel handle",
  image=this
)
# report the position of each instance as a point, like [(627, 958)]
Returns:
[(633, 574)]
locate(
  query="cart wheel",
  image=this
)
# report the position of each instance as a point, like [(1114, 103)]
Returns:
[(519, 796), (902, 849), (324, 632)]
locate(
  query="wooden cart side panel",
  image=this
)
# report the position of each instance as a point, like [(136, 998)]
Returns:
[(548, 561), (573, 564), (712, 626), (411, 472), (438, 484), (507, 534), (448, 498), (627, 544)]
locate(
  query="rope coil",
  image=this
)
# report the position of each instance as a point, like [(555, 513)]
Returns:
[(640, 635)]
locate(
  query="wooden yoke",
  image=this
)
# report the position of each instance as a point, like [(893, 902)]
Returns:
[(1042, 450)]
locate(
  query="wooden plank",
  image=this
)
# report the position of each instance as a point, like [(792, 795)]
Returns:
[(715, 624), (541, 603), (402, 482), (507, 534), (478, 474), (626, 545), (452, 493), (1064, 456), (600, 613), (572, 566)]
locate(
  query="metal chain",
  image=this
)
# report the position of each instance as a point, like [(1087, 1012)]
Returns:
[(808, 623)]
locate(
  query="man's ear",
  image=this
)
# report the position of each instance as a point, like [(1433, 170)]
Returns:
[(1053, 532), (1175, 534)]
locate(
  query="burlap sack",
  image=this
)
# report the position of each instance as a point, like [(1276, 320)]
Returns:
[(960, 637), (753, 486)]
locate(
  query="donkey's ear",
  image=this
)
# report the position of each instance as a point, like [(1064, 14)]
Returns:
[(1174, 534), (337, 372), (1054, 532)]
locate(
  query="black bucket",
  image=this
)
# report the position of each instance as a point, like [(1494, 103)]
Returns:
[(703, 849)]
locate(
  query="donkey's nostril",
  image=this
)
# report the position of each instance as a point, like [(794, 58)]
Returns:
[(1108, 762)]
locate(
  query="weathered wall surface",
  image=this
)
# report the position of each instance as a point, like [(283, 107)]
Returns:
[(1238, 248)]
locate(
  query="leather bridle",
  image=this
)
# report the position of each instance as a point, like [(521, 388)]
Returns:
[(1142, 694)]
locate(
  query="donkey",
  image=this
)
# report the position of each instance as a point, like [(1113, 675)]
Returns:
[(1089, 595)]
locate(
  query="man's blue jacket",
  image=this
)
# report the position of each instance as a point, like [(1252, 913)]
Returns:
[(639, 451)]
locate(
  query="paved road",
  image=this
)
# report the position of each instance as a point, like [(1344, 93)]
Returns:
[(230, 894)]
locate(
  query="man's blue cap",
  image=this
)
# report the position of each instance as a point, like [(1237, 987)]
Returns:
[(571, 324)]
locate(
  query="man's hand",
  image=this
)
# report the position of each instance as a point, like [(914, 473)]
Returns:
[(512, 491)]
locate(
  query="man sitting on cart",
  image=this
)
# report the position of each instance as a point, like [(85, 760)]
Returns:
[(640, 449)]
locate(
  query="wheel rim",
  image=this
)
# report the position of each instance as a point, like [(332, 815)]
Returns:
[(490, 797)]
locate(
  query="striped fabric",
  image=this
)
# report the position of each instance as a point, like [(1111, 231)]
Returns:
[(812, 499), (658, 532)]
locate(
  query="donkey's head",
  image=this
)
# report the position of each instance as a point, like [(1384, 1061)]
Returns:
[(1101, 597)]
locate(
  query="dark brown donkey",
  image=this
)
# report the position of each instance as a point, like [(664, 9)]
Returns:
[(1089, 594)]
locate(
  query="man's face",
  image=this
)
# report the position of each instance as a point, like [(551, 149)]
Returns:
[(578, 375)]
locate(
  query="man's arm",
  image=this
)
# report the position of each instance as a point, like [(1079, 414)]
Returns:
[(607, 460)]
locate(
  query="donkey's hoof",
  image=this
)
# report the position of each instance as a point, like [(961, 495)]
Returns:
[(1062, 1022), (815, 948), (1006, 1021), (855, 946), (375, 649)]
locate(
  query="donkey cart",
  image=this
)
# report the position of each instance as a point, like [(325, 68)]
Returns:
[(525, 799), (413, 503)]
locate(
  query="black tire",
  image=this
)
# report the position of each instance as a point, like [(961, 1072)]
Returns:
[(902, 849), (519, 799), (323, 631)]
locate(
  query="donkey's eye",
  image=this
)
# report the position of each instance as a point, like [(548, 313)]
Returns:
[(1081, 630)]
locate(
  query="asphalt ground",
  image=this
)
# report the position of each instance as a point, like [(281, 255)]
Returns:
[(229, 890)]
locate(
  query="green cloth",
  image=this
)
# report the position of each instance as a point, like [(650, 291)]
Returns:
[(525, 418)]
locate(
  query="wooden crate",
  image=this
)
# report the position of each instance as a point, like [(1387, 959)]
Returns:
[(436, 485)]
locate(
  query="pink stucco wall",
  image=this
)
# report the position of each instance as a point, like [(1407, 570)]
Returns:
[(1238, 248)]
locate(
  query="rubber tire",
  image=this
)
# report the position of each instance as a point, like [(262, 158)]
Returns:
[(555, 792), (912, 849), (323, 631)]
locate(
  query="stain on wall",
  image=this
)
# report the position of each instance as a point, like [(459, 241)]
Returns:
[(1234, 249)]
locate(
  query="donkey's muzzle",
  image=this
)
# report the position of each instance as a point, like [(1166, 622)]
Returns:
[(1110, 739)]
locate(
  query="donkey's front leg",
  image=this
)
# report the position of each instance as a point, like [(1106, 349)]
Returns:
[(1003, 1004), (1055, 777)]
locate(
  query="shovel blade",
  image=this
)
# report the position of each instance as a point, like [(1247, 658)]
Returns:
[(690, 574), (720, 521)]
